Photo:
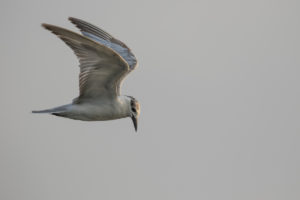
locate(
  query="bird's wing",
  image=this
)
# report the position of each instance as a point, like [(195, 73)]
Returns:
[(101, 36), (101, 68)]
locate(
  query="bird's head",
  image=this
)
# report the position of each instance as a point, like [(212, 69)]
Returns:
[(134, 111)]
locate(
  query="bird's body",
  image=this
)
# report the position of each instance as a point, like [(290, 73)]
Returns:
[(104, 62), (90, 110)]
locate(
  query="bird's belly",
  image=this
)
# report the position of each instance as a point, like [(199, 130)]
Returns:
[(94, 113)]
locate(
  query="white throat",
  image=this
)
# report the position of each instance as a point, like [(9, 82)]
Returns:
[(125, 107)]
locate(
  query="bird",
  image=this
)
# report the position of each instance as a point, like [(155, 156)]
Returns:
[(104, 62)]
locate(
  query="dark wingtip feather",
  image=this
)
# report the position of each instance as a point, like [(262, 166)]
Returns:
[(76, 22), (73, 20), (46, 26)]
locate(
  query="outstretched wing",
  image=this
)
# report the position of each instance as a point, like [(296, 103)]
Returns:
[(101, 68), (101, 36)]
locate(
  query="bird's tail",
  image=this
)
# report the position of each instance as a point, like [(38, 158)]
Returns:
[(52, 110)]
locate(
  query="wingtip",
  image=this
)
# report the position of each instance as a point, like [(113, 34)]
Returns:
[(46, 26), (70, 18), (52, 28), (73, 19)]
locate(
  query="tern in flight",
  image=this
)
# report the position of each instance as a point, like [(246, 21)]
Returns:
[(104, 63)]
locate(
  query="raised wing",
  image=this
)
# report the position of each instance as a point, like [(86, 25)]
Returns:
[(101, 68), (106, 39)]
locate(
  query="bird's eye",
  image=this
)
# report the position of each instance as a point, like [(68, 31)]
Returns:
[(133, 109)]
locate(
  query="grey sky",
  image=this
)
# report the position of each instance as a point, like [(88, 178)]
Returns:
[(218, 82)]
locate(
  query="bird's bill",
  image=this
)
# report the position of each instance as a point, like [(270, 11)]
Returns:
[(135, 122)]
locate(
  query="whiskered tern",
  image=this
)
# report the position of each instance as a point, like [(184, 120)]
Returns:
[(104, 63)]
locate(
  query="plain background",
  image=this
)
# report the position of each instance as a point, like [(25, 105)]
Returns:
[(218, 82)]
